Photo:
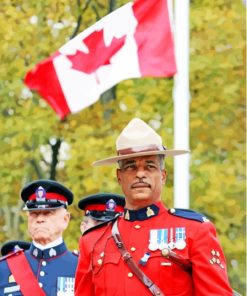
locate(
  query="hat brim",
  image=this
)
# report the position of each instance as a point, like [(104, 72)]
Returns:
[(43, 209), (112, 160)]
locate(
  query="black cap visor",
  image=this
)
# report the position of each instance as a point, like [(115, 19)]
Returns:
[(101, 215), (50, 204)]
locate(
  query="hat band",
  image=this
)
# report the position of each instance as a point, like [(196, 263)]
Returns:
[(102, 208), (141, 149), (49, 195)]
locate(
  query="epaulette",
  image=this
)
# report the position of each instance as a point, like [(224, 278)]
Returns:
[(100, 225), (188, 214), (14, 253)]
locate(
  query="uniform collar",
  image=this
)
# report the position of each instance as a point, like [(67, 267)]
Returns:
[(141, 214), (48, 252)]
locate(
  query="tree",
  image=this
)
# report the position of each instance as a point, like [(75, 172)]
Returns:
[(36, 144)]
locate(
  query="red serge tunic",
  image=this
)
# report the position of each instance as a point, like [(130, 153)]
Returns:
[(102, 272)]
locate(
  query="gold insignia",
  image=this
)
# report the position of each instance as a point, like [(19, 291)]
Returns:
[(150, 212), (11, 279), (215, 258), (127, 215)]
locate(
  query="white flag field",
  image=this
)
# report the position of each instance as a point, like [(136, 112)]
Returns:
[(131, 42)]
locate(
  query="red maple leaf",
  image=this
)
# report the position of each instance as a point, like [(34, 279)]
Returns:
[(98, 55)]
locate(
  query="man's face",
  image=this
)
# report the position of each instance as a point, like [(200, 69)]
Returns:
[(46, 226), (142, 180), (87, 223)]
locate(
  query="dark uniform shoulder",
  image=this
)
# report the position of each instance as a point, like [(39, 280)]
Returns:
[(188, 214), (14, 253), (100, 225)]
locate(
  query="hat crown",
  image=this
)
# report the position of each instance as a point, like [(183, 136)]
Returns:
[(44, 194), (137, 133)]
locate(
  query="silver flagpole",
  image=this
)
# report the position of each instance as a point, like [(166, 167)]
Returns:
[(181, 97)]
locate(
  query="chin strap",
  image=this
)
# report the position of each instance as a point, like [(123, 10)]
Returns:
[(131, 263)]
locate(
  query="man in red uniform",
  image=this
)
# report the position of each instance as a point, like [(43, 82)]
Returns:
[(151, 250)]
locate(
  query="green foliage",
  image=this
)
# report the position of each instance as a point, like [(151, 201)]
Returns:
[(32, 30)]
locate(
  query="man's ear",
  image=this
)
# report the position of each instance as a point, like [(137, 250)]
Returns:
[(118, 175), (164, 175)]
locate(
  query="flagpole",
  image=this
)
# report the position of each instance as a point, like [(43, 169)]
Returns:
[(181, 97)]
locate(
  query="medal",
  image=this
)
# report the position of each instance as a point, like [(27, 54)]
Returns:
[(163, 238), (153, 240), (180, 244), (180, 238), (171, 243), (153, 246)]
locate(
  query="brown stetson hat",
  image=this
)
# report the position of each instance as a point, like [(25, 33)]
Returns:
[(138, 139)]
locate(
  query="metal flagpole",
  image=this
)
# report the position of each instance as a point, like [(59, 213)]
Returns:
[(181, 97)]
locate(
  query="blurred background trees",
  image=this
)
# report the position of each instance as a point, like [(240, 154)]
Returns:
[(36, 144)]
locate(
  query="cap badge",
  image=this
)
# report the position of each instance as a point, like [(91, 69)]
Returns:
[(111, 205), (40, 194)]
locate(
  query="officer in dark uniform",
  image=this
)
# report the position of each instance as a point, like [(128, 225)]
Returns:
[(13, 246), (47, 267), (100, 207)]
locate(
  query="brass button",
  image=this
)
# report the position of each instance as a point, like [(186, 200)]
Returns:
[(130, 274), (137, 226), (100, 261)]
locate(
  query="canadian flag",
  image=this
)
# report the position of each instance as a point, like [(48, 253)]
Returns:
[(132, 41)]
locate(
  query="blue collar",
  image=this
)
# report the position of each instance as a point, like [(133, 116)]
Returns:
[(141, 214), (47, 253)]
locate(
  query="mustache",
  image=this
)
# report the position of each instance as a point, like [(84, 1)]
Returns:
[(140, 183)]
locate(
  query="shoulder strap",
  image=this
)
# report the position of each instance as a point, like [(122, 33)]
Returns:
[(23, 274), (131, 263)]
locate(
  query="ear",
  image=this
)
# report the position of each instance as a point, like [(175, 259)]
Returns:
[(118, 174), (164, 175), (66, 219)]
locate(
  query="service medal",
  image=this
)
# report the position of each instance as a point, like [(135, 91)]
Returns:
[(171, 243), (180, 244), (163, 238), (153, 240), (180, 237), (153, 246)]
